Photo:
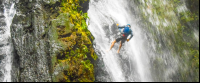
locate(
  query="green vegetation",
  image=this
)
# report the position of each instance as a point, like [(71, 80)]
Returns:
[(74, 61), (177, 28)]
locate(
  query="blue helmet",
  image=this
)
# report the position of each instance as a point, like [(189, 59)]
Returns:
[(128, 25)]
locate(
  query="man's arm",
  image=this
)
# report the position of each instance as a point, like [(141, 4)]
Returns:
[(120, 26), (131, 34)]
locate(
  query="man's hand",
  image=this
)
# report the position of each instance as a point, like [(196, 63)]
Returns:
[(117, 24), (127, 40)]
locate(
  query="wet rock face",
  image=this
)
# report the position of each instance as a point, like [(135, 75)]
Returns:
[(84, 6), (33, 33), (29, 32)]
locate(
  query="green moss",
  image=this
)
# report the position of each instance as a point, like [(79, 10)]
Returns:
[(70, 31)]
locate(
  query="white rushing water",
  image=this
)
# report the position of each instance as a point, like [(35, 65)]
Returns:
[(5, 41), (139, 59), (132, 63)]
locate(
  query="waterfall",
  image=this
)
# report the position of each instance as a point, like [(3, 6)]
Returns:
[(5, 41), (132, 63), (154, 54), (139, 60)]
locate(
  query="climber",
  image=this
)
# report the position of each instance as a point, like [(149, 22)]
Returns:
[(125, 32)]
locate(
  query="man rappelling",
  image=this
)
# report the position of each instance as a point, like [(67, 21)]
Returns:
[(125, 32)]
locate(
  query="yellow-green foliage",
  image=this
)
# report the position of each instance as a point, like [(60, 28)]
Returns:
[(76, 39)]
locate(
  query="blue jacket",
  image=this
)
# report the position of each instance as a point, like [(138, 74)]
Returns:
[(130, 31)]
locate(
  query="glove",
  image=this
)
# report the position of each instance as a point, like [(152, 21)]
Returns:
[(117, 24), (127, 40)]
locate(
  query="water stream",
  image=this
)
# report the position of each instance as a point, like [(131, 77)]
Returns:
[(139, 59), (5, 41), (132, 63)]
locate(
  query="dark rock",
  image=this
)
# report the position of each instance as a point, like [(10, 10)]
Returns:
[(1, 45), (30, 39), (2, 22), (1, 76), (2, 16), (84, 6), (2, 56)]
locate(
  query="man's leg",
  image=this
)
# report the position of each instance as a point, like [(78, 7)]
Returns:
[(113, 43), (119, 46)]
